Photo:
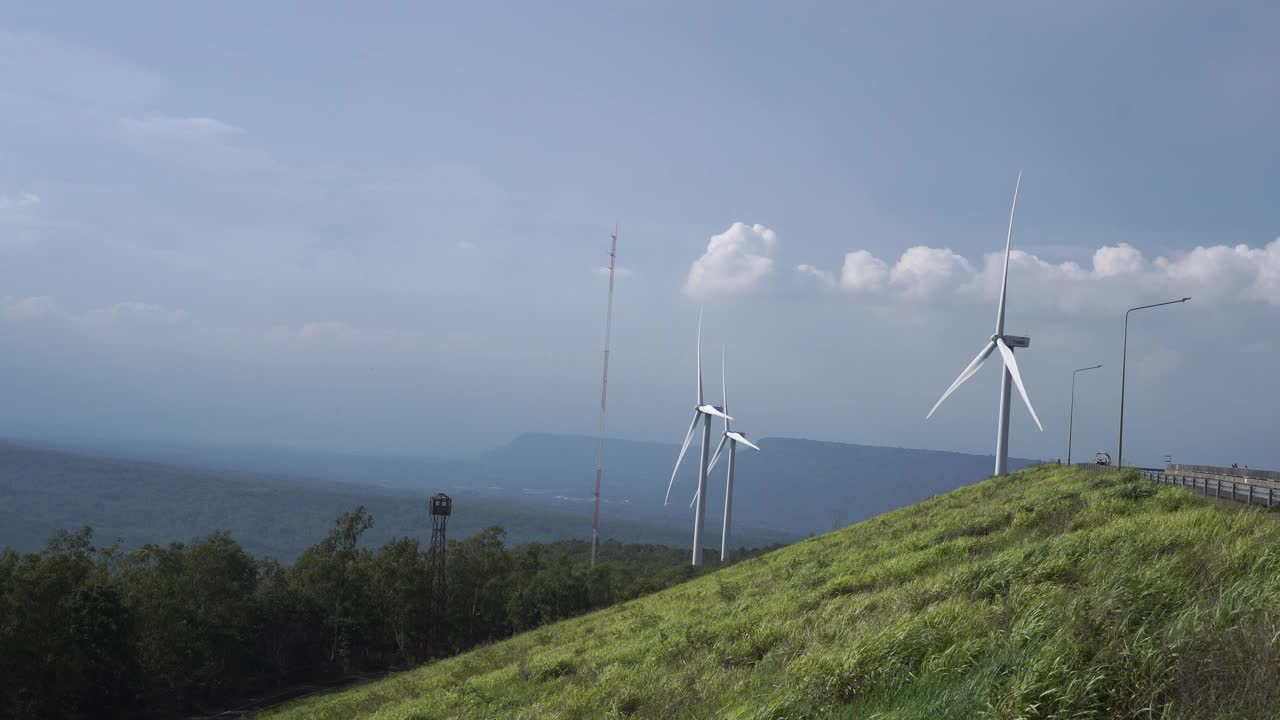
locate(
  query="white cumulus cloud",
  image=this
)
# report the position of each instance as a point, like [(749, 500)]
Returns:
[(737, 260), (1228, 274), (1117, 260), (823, 278), (1119, 274), (923, 271), (863, 272)]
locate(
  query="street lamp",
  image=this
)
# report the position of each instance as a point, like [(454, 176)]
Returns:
[(1071, 421), (1124, 357)]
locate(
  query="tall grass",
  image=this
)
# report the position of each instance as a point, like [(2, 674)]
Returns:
[(1049, 593)]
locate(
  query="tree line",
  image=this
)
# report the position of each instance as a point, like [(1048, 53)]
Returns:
[(93, 631)]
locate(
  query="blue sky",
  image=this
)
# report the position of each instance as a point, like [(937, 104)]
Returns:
[(380, 227)]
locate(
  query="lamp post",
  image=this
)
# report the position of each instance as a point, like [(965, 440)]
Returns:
[(1071, 420), (1124, 357)]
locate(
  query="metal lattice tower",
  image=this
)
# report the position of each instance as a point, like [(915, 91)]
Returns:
[(441, 506), (604, 394)]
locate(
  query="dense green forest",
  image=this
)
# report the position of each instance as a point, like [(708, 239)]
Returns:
[(93, 631)]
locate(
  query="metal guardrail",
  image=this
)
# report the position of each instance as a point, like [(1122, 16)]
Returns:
[(1262, 476), (1249, 493)]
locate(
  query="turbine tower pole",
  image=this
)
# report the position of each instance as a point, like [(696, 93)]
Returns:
[(700, 513), (1002, 427), (604, 393), (1006, 377), (728, 505)]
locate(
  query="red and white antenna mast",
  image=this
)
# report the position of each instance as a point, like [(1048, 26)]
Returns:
[(604, 393)]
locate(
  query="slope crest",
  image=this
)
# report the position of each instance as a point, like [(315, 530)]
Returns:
[(1050, 593)]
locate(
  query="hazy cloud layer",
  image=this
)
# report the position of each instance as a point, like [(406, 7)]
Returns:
[(17, 202), (1157, 363), (31, 308), (618, 271), (133, 314), (178, 128), (43, 307), (331, 333)]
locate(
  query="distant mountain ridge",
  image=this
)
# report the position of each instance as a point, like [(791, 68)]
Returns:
[(538, 486), (138, 502), (791, 485)]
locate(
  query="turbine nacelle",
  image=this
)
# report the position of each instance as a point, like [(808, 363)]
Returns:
[(729, 435), (713, 411), (1015, 341)]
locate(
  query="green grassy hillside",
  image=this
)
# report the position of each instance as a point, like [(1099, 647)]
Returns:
[(1051, 593)]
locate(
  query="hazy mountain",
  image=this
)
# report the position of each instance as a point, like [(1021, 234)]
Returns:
[(136, 502), (538, 486), (793, 486)]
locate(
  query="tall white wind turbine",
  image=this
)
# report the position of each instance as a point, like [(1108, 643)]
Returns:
[(705, 412), (731, 437), (1005, 344)]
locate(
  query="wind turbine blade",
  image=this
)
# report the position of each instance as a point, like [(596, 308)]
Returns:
[(713, 410), (711, 465), (1012, 364), (968, 373), (683, 449), (700, 401), (724, 389), (743, 439), (1008, 245)]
